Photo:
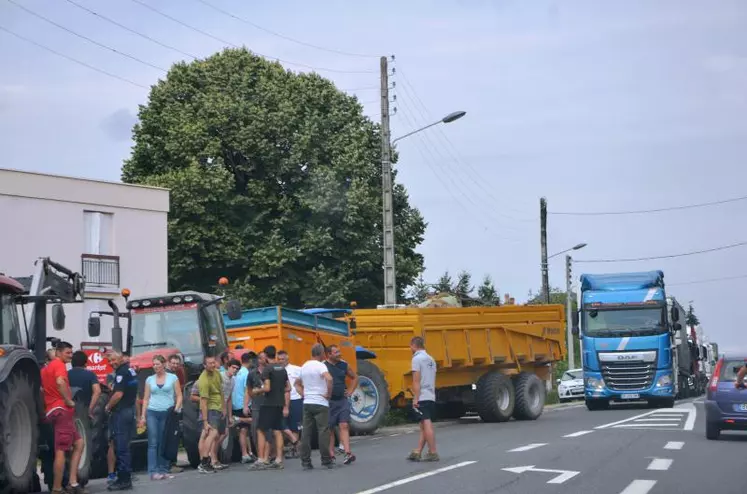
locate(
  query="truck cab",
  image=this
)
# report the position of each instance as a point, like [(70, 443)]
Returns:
[(627, 339)]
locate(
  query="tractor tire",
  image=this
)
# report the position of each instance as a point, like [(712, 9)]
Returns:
[(18, 432), (83, 425), (495, 397), (370, 401), (530, 396), (190, 430), (100, 439)]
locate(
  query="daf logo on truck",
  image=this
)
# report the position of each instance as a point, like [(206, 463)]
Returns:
[(627, 357)]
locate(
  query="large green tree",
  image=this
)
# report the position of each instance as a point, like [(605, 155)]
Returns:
[(276, 183)]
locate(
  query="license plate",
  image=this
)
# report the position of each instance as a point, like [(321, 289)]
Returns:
[(630, 396)]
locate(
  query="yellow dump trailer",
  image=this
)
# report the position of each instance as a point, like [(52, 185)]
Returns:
[(493, 360)]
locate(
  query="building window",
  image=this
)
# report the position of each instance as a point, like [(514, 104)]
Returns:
[(100, 266)]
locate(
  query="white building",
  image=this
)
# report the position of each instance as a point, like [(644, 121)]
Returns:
[(114, 234)]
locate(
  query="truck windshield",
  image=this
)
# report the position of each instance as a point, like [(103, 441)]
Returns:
[(617, 321), (10, 331), (175, 326)]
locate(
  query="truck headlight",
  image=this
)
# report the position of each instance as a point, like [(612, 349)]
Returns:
[(594, 383), (665, 380)]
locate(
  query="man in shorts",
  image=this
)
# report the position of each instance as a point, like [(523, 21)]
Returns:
[(212, 408), (231, 368), (276, 391), (339, 405), (60, 413), (243, 420), (423, 399), (254, 381), (292, 422)]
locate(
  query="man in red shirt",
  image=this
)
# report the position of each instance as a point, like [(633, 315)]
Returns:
[(60, 411)]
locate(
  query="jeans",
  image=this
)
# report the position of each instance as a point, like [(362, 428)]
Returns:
[(315, 419), (156, 422), (123, 421)]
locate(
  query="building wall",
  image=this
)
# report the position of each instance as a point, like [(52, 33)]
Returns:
[(50, 216)]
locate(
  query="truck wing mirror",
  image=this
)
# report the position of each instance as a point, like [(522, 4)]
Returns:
[(677, 326), (58, 317), (575, 331), (675, 314), (233, 309), (94, 327), (574, 323)]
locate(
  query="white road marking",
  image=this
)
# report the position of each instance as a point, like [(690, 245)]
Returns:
[(559, 479), (527, 447), (660, 464), (662, 419), (674, 445), (670, 426), (690, 424), (639, 487), (578, 434), (424, 475), (394, 435), (612, 424)]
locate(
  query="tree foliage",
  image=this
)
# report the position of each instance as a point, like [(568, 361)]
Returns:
[(462, 288), (487, 292), (276, 183)]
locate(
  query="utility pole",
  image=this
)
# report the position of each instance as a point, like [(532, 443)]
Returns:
[(569, 312), (390, 285), (543, 242)]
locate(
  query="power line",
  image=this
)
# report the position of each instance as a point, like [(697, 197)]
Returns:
[(225, 42), (709, 280), (644, 211), (652, 258), (283, 36), (145, 36), (71, 59), (86, 38)]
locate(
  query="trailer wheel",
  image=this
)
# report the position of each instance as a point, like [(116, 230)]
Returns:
[(190, 431), (18, 432), (530, 396), (370, 401), (495, 397), (100, 438)]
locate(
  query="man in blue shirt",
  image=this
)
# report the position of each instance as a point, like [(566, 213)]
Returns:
[(85, 380), (243, 422)]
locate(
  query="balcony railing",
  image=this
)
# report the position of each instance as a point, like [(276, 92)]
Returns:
[(101, 271)]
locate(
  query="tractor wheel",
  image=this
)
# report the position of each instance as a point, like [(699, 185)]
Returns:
[(370, 401), (190, 431), (18, 432)]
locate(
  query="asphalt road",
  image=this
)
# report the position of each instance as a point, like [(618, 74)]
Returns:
[(630, 450)]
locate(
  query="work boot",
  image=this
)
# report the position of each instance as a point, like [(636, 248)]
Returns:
[(414, 455)]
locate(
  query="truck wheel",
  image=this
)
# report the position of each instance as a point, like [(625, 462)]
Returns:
[(530, 396), (83, 425), (595, 405), (18, 432), (100, 439), (370, 401), (495, 397), (190, 432)]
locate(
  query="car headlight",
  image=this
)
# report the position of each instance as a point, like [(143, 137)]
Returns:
[(665, 380), (594, 383)]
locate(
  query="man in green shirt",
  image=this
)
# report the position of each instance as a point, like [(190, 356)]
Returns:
[(213, 413)]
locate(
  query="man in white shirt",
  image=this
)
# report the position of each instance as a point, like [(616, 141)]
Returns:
[(314, 385), (423, 399), (295, 410)]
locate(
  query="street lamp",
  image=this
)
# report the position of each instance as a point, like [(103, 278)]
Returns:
[(390, 285), (569, 305), (575, 247), (546, 274)]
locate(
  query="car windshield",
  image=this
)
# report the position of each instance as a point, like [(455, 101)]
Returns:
[(616, 321), (572, 374), (175, 326), (10, 332), (730, 369)]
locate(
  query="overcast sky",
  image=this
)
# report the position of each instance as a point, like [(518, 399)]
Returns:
[(598, 106)]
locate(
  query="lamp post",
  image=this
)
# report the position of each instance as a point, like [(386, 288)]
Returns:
[(545, 271), (569, 304), (390, 285)]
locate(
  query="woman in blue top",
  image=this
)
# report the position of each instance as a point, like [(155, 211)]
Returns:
[(162, 395)]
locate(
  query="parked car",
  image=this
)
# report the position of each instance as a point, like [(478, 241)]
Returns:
[(726, 405), (571, 385)]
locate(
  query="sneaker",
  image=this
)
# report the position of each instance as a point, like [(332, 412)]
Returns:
[(339, 451), (120, 486), (248, 459), (330, 464), (205, 468), (156, 476), (307, 466), (176, 469), (111, 478), (77, 489), (431, 457), (414, 455), (349, 458), (276, 465), (259, 465), (219, 466)]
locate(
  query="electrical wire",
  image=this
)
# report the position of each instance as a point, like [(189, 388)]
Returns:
[(145, 36), (233, 45), (86, 38), (283, 36), (670, 256), (645, 211), (71, 59), (708, 280)]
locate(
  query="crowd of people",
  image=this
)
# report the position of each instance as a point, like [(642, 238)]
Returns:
[(276, 407)]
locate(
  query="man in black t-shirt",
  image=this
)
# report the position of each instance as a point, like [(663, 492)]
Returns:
[(87, 381), (122, 407), (275, 405), (339, 405)]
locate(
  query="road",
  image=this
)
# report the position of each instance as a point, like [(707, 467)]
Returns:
[(628, 450)]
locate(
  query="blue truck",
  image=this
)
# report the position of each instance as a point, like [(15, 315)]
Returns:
[(633, 343)]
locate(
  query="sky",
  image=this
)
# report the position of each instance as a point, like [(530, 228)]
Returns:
[(597, 106)]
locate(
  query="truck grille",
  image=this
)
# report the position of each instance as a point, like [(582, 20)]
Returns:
[(628, 376)]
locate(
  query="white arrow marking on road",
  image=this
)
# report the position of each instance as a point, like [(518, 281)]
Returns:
[(674, 445), (564, 474), (415, 477), (527, 447)]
